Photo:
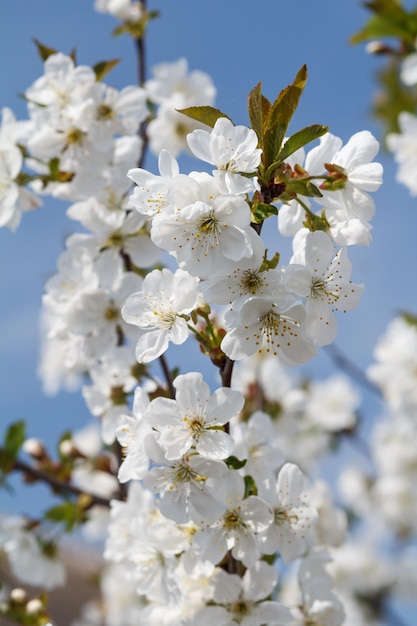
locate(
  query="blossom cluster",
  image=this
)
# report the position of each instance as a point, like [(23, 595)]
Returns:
[(208, 499)]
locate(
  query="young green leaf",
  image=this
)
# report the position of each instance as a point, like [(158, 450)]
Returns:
[(300, 139), (66, 514), (13, 441), (280, 116), (205, 114), (44, 51), (259, 109), (390, 19), (15, 436), (103, 67)]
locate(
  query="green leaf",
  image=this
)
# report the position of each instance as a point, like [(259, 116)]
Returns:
[(280, 116), (44, 51), (300, 139), (233, 462), (205, 114), (13, 441), (262, 211), (250, 487), (393, 98), (103, 67), (259, 109), (390, 19), (66, 514)]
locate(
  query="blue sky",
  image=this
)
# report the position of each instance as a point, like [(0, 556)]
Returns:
[(238, 43)]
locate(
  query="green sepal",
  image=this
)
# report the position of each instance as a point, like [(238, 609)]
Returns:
[(205, 114), (104, 67), (300, 139), (410, 318), (55, 174), (269, 264), (303, 187), (250, 487), (262, 211), (135, 29), (269, 558), (13, 441), (390, 20), (259, 109), (316, 222), (280, 116), (44, 51), (233, 462)]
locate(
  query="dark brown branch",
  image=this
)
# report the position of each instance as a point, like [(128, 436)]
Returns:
[(57, 484), (141, 56), (167, 375), (226, 372)]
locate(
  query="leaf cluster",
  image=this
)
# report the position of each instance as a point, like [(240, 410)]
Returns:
[(389, 19)]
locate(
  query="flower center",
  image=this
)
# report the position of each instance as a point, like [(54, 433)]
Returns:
[(196, 425), (208, 225), (232, 519), (104, 112), (251, 281), (240, 609)]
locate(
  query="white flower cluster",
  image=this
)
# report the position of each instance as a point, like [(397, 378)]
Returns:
[(205, 223), (214, 481), (391, 494)]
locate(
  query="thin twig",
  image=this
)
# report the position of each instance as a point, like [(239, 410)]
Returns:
[(167, 375), (352, 370), (58, 484), (141, 56)]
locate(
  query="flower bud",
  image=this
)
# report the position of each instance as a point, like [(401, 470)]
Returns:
[(34, 606), (34, 448), (18, 595)]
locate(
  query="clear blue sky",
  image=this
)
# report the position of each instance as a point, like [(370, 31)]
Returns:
[(238, 43)]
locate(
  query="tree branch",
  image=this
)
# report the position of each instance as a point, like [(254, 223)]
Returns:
[(59, 485), (351, 369)]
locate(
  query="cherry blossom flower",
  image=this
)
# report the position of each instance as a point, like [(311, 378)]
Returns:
[(239, 526), (128, 10), (243, 600), (206, 237), (261, 324), (293, 529), (157, 311), (131, 434), (195, 419), (182, 485), (326, 285), (233, 150)]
